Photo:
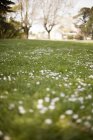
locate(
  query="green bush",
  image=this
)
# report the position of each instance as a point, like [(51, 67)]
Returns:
[(70, 37), (79, 37), (9, 29)]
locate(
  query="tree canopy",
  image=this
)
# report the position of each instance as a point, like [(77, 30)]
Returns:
[(85, 17), (9, 28), (5, 6)]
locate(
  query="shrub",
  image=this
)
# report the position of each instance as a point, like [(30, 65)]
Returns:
[(70, 37), (79, 37)]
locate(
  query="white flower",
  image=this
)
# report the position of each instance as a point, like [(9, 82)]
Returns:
[(82, 107), (9, 78), (19, 52), (7, 138), (39, 106), (81, 89), (47, 99), (42, 72), (20, 102), (37, 83), (78, 120), (40, 101), (3, 97), (1, 133), (57, 78), (47, 89), (91, 66), (62, 116), (88, 117), (72, 99), (91, 76), (69, 112), (53, 102), (21, 110), (89, 97), (87, 124), (30, 74), (43, 110), (15, 89), (75, 116), (51, 107), (81, 99), (48, 121), (11, 106), (60, 85), (66, 85), (6, 92), (62, 95), (53, 92), (4, 78), (56, 99)]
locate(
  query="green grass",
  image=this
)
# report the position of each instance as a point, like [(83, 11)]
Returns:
[(46, 90)]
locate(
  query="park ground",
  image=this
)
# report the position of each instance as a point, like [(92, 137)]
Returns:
[(46, 90)]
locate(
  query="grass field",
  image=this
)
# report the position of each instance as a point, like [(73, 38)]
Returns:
[(46, 90)]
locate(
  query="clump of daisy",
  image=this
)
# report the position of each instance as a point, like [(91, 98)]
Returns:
[(62, 94), (15, 89), (87, 124), (4, 78), (1, 134), (11, 106), (47, 89), (75, 116), (38, 83), (69, 112), (7, 137), (43, 110), (79, 121), (48, 121), (47, 99), (51, 107), (82, 107), (62, 117), (21, 110), (20, 102), (91, 76)]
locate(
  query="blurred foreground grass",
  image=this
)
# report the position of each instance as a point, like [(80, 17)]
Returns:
[(46, 90)]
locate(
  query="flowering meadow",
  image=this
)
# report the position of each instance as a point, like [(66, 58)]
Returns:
[(46, 90)]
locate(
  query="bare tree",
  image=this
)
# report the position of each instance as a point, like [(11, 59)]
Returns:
[(26, 9), (50, 10)]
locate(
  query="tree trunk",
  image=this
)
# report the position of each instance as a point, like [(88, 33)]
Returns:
[(26, 35), (92, 35), (48, 35), (26, 32)]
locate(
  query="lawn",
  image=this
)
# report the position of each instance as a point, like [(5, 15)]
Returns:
[(46, 90)]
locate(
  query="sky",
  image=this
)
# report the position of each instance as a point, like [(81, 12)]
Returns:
[(87, 3), (82, 3), (78, 4)]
